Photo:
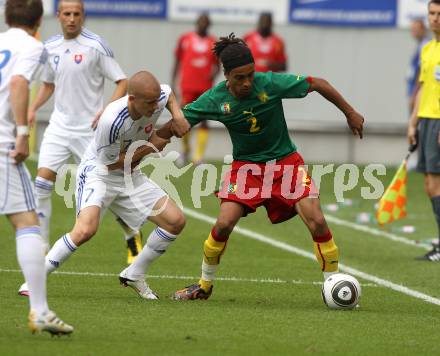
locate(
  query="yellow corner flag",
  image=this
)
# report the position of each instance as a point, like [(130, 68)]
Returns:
[(392, 205)]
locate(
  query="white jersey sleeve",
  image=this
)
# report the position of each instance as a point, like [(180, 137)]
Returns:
[(110, 69), (20, 55), (30, 61), (107, 135), (165, 91), (47, 75)]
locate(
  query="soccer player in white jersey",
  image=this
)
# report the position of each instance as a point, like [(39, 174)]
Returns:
[(79, 62), (21, 56), (102, 180)]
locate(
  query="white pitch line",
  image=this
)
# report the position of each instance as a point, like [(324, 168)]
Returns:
[(373, 231), (286, 247), (226, 279)]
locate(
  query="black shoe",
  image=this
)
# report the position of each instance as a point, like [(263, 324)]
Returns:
[(432, 256)]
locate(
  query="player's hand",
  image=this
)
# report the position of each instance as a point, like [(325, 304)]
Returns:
[(96, 119), (31, 118), (355, 122), (412, 135), (21, 151), (180, 126), (158, 142)]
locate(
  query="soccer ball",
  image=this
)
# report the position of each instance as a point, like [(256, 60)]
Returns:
[(341, 291)]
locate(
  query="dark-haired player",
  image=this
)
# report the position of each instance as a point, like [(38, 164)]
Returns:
[(21, 58), (249, 104)]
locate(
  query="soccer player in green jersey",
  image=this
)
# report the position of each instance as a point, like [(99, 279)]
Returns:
[(267, 169)]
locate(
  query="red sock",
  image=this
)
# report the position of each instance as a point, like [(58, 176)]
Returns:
[(323, 238)]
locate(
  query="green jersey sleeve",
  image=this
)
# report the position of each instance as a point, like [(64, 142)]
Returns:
[(290, 85), (201, 109)]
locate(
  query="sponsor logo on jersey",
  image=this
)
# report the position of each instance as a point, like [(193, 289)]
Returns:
[(225, 108), (78, 58), (263, 97)]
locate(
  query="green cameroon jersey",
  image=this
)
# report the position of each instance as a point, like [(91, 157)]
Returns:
[(256, 124)]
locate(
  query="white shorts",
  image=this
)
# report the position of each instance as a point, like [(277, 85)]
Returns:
[(132, 202), (16, 188), (57, 147)]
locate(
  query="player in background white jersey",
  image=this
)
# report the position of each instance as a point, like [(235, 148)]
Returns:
[(21, 57), (79, 62), (103, 183)]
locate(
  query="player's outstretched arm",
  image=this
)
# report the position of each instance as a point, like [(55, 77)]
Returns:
[(156, 144), (120, 90), (355, 120), (19, 98), (179, 125), (44, 93), (414, 119)]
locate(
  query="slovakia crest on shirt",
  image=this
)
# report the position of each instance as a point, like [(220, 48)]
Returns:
[(78, 58)]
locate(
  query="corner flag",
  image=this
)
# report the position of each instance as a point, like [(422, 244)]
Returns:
[(392, 205)]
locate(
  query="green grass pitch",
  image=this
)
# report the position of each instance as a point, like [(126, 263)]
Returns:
[(267, 301)]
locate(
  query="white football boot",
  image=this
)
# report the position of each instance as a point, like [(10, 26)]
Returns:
[(24, 290), (48, 322), (139, 286)]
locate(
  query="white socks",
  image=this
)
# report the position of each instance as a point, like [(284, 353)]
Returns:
[(156, 245), (60, 251), (30, 255), (43, 192)]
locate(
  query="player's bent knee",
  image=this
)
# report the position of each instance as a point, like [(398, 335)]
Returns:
[(224, 226), (319, 220), (317, 223), (83, 233), (176, 225)]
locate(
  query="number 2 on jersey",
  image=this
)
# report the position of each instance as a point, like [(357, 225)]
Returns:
[(5, 56), (254, 128)]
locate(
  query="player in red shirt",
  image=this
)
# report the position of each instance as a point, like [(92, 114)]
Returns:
[(267, 47), (197, 66)]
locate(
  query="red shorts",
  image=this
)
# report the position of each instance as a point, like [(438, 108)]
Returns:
[(277, 185)]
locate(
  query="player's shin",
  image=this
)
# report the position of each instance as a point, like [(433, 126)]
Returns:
[(60, 251), (186, 147), (30, 255), (43, 192), (202, 140), (157, 243), (326, 253), (213, 249), (436, 208), (133, 239)]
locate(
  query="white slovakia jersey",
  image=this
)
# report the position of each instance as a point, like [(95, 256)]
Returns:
[(116, 131), (78, 68), (20, 54)]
